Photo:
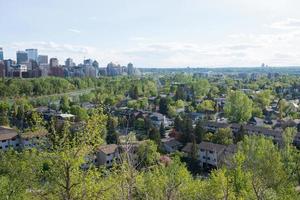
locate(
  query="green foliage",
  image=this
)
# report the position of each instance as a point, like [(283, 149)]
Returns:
[(223, 136), (64, 104), (4, 109), (154, 135), (206, 105), (163, 106), (147, 154), (80, 113), (238, 107)]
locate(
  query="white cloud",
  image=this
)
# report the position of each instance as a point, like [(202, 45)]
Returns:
[(274, 47), (73, 30), (289, 23)]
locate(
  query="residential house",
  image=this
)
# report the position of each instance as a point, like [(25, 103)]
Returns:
[(8, 138), (33, 138), (107, 154), (170, 145), (210, 154), (158, 118)]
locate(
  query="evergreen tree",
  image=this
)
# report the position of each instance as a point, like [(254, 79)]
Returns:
[(199, 131), (162, 130), (112, 134), (188, 130), (178, 123), (134, 92), (154, 135), (163, 106), (239, 136)]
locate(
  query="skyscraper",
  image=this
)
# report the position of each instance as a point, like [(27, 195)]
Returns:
[(32, 54), (88, 62), (69, 62), (22, 57), (130, 69), (1, 54), (43, 59), (53, 62)]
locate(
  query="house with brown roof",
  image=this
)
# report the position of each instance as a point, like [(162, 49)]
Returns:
[(32, 139), (8, 138)]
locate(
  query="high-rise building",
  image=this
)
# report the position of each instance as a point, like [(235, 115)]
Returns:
[(54, 62), (32, 54), (88, 62), (69, 62), (95, 64), (22, 57), (2, 69), (130, 69), (1, 54), (113, 70), (43, 59)]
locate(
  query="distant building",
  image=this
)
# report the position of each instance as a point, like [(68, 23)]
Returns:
[(2, 69), (95, 64), (8, 63), (32, 54), (44, 69), (22, 57), (1, 53), (42, 59), (113, 69), (88, 62), (130, 69), (69, 62), (57, 71), (54, 62)]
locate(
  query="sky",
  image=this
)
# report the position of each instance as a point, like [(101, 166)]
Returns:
[(156, 33)]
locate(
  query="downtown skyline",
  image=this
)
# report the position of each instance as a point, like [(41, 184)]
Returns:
[(156, 34)]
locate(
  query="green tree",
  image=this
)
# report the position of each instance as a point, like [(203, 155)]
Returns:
[(64, 104), (206, 105), (163, 106), (238, 107), (112, 135), (154, 135), (162, 130), (4, 109), (80, 113), (223, 136), (199, 131), (147, 154)]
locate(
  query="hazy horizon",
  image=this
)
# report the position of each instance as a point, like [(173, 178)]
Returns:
[(153, 34)]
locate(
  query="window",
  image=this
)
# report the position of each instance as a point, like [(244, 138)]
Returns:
[(202, 150), (3, 141), (107, 162), (211, 152)]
